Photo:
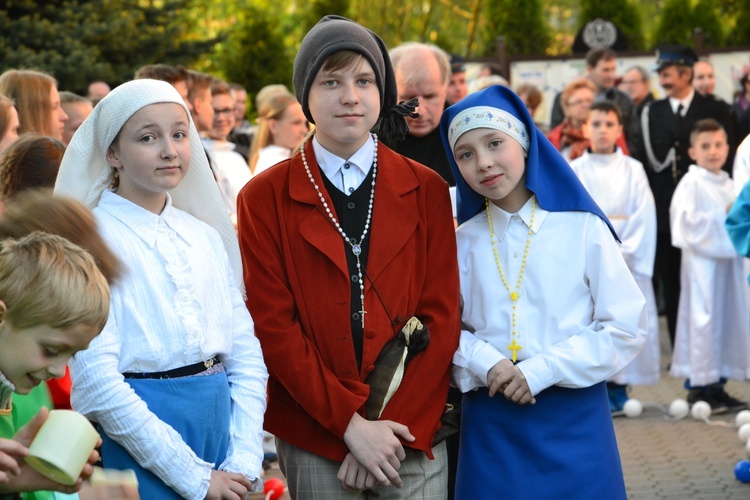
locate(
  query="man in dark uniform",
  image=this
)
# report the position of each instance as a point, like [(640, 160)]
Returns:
[(663, 150)]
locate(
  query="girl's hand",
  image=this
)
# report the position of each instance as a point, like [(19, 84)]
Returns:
[(508, 378), (228, 486)]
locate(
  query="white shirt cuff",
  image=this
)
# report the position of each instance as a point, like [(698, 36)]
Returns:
[(483, 360)]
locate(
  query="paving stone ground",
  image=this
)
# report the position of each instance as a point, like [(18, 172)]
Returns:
[(686, 459), (682, 460)]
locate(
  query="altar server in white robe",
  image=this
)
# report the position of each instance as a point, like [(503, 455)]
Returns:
[(712, 343), (619, 185), (550, 312)]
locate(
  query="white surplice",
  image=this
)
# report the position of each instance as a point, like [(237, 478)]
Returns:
[(620, 187), (581, 317), (712, 339)]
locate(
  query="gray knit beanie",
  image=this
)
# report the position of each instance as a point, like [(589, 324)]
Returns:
[(333, 34)]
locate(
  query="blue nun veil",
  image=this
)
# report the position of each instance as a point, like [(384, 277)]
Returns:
[(548, 175)]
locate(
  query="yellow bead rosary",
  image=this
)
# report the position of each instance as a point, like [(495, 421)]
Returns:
[(514, 294)]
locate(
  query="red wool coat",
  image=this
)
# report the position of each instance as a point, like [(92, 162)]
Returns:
[(298, 288)]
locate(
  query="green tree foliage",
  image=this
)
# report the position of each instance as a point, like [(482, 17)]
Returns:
[(623, 13), (740, 34), (254, 41), (679, 21), (254, 54), (706, 17), (676, 25), (521, 23), (79, 41), (320, 8)]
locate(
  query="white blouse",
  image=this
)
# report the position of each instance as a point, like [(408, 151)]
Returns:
[(581, 317), (175, 305)]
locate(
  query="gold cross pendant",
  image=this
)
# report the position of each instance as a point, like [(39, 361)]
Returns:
[(515, 347)]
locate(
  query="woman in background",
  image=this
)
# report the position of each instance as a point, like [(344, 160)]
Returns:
[(37, 101), (281, 128)]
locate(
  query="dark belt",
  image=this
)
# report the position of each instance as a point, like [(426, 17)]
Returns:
[(185, 371)]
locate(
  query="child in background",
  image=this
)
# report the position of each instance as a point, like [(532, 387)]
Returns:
[(550, 312), (176, 381), (712, 343), (620, 187), (37, 210), (53, 302)]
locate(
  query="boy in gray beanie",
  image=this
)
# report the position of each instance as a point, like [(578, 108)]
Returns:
[(343, 243)]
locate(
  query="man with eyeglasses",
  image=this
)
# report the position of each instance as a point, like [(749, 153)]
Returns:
[(230, 168), (636, 82)]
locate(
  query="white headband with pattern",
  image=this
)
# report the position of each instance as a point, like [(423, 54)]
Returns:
[(488, 117)]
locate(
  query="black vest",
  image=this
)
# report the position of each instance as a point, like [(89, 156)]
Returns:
[(351, 212)]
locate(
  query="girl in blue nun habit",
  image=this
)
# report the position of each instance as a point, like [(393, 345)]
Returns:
[(550, 312)]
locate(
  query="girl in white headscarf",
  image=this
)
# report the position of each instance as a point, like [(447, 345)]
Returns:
[(176, 380)]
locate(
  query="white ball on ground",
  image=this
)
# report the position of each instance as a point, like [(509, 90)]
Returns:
[(632, 408), (679, 409), (700, 410), (744, 432), (742, 418)]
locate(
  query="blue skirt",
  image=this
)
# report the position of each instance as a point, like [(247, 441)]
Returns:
[(198, 408), (563, 447)]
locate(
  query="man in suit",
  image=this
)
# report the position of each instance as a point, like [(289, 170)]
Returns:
[(663, 150), (601, 69)]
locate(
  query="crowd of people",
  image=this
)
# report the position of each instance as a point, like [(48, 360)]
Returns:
[(389, 283)]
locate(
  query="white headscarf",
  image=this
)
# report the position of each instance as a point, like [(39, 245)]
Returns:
[(84, 173)]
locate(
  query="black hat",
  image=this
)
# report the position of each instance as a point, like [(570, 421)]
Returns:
[(333, 34), (667, 55)]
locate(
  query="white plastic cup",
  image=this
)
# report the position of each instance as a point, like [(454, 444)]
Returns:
[(62, 446)]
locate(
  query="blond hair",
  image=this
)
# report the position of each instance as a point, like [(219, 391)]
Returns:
[(31, 91), (271, 109), (47, 280)]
